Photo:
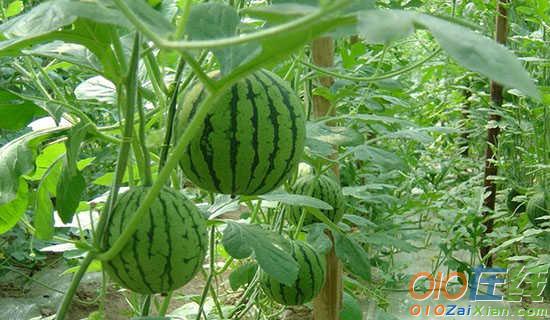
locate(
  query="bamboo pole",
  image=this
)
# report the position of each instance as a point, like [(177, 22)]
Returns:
[(491, 169), (328, 303)]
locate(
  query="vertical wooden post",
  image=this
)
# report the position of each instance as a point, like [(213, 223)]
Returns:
[(328, 303), (493, 132)]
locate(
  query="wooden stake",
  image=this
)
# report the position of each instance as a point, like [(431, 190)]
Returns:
[(328, 303), (493, 132)]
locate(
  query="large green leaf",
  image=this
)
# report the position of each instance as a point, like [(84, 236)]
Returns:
[(43, 209), (296, 200), (270, 249), (214, 21), (242, 275), (16, 112), (337, 136), (353, 256), (470, 49), (12, 211), (351, 308), (70, 52), (17, 159), (71, 183)]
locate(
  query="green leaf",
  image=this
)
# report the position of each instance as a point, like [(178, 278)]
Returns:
[(14, 8), (71, 183), (242, 275), (17, 159), (152, 18), (43, 210), (470, 49), (214, 21), (42, 19), (296, 200), (317, 237), (353, 256), (378, 156), (301, 2), (377, 26), (351, 308), (382, 239), (271, 250), (96, 88), (278, 13), (280, 46), (151, 318), (70, 52), (16, 112), (337, 136), (46, 158), (11, 212), (95, 266)]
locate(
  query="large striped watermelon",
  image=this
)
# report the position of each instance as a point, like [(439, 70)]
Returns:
[(168, 247), (536, 208), (251, 139), (324, 188), (310, 280)]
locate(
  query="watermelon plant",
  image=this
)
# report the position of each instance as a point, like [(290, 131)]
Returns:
[(267, 159)]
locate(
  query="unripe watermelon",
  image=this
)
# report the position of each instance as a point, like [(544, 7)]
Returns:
[(251, 139), (310, 280), (168, 247), (536, 208), (324, 188)]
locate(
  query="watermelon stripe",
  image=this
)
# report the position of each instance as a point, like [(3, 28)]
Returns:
[(293, 128), (321, 270), (275, 123), (251, 96), (283, 293), (138, 264), (309, 266), (167, 266), (195, 226), (234, 143), (125, 266), (208, 153), (151, 232), (196, 103), (299, 255)]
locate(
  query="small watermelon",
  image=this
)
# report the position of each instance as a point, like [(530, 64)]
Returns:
[(310, 280), (251, 139), (514, 206), (168, 247), (324, 188), (536, 208)]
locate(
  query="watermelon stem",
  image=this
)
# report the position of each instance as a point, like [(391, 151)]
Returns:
[(64, 307), (165, 303), (146, 305), (265, 34), (212, 272)]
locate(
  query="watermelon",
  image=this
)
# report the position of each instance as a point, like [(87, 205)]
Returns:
[(168, 247), (251, 139), (310, 280), (324, 188), (515, 206), (536, 208)]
